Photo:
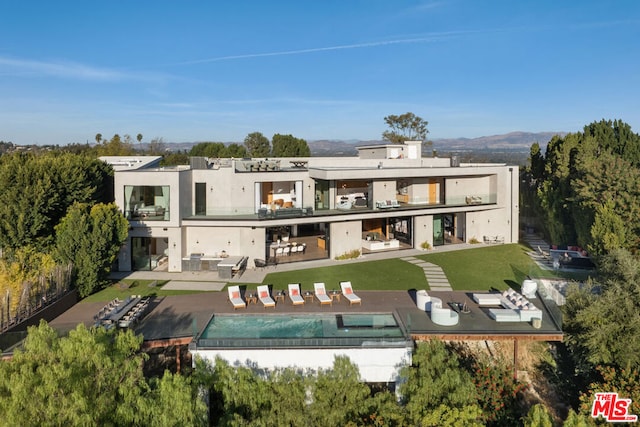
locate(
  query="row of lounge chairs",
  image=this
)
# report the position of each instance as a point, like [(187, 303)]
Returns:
[(295, 294)]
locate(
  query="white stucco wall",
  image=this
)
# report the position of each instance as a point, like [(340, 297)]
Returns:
[(375, 364)]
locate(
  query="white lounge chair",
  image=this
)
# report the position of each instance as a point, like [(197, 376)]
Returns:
[(235, 298), (347, 291), (294, 294), (321, 293), (265, 297)]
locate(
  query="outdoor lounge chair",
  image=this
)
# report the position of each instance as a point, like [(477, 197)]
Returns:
[(294, 294), (347, 291), (265, 297), (235, 298), (321, 293)]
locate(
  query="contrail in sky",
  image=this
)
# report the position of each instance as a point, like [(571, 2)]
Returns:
[(324, 49)]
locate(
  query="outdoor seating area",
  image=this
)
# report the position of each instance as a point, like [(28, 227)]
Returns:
[(347, 291), (283, 249), (235, 298), (439, 315), (294, 294), (514, 306), (386, 204), (269, 297), (321, 294), (122, 313), (265, 296)]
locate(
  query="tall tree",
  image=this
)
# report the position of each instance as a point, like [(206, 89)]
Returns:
[(405, 127), (98, 138), (91, 377), (139, 138), (37, 190), (603, 323), (436, 379), (208, 149), (156, 146), (116, 146), (90, 238), (235, 150), (257, 145), (289, 146)]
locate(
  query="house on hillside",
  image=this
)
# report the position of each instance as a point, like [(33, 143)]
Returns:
[(196, 217)]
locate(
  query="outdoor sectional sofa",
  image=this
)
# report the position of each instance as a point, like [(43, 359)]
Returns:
[(514, 306)]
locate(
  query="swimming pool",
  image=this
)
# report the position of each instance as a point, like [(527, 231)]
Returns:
[(301, 330)]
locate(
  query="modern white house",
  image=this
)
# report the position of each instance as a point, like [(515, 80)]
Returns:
[(197, 217)]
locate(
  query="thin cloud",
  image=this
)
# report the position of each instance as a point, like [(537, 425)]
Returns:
[(425, 39), (58, 69)]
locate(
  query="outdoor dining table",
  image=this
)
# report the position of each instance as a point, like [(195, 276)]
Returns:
[(226, 266)]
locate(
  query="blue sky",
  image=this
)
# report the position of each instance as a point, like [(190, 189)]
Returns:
[(219, 70)]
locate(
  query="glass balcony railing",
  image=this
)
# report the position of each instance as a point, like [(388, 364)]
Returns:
[(249, 212)]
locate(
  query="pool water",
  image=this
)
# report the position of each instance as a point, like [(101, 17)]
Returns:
[(377, 325)]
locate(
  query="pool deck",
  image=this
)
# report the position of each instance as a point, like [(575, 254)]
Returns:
[(183, 317)]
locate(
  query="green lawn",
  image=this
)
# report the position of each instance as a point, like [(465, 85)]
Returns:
[(371, 275), (136, 287), (481, 268), (485, 268)]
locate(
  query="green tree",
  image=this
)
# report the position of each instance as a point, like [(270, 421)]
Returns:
[(624, 381), (98, 138), (538, 416), (235, 150), (602, 323), (257, 145), (208, 149), (37, 190), (174, 159), (581, 174), (90, 238), (338, 395), (577, 420), (405, 127), (116, 146), (436, 379), (91, 377), (139, 138), (289, 146)]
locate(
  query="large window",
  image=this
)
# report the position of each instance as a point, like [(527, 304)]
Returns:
[(147, 202), (201, 198), (322, 195)]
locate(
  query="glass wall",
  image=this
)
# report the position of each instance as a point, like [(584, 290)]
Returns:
[(322, 195), (201, 198), (146, 202), (149, 253)]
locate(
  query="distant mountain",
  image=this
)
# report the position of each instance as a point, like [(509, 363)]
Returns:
[(513, 141), (509, 141)]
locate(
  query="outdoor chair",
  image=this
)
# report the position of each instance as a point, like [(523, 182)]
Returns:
[(259, 263), (235, 298), (321, 293), (294, 294), (265, 297), (347, 291)]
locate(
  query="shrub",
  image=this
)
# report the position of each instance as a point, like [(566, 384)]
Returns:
[(474, 240), (349, 255), (425, 245)]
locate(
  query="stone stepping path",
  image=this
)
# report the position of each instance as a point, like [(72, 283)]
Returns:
[(433, 273)]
